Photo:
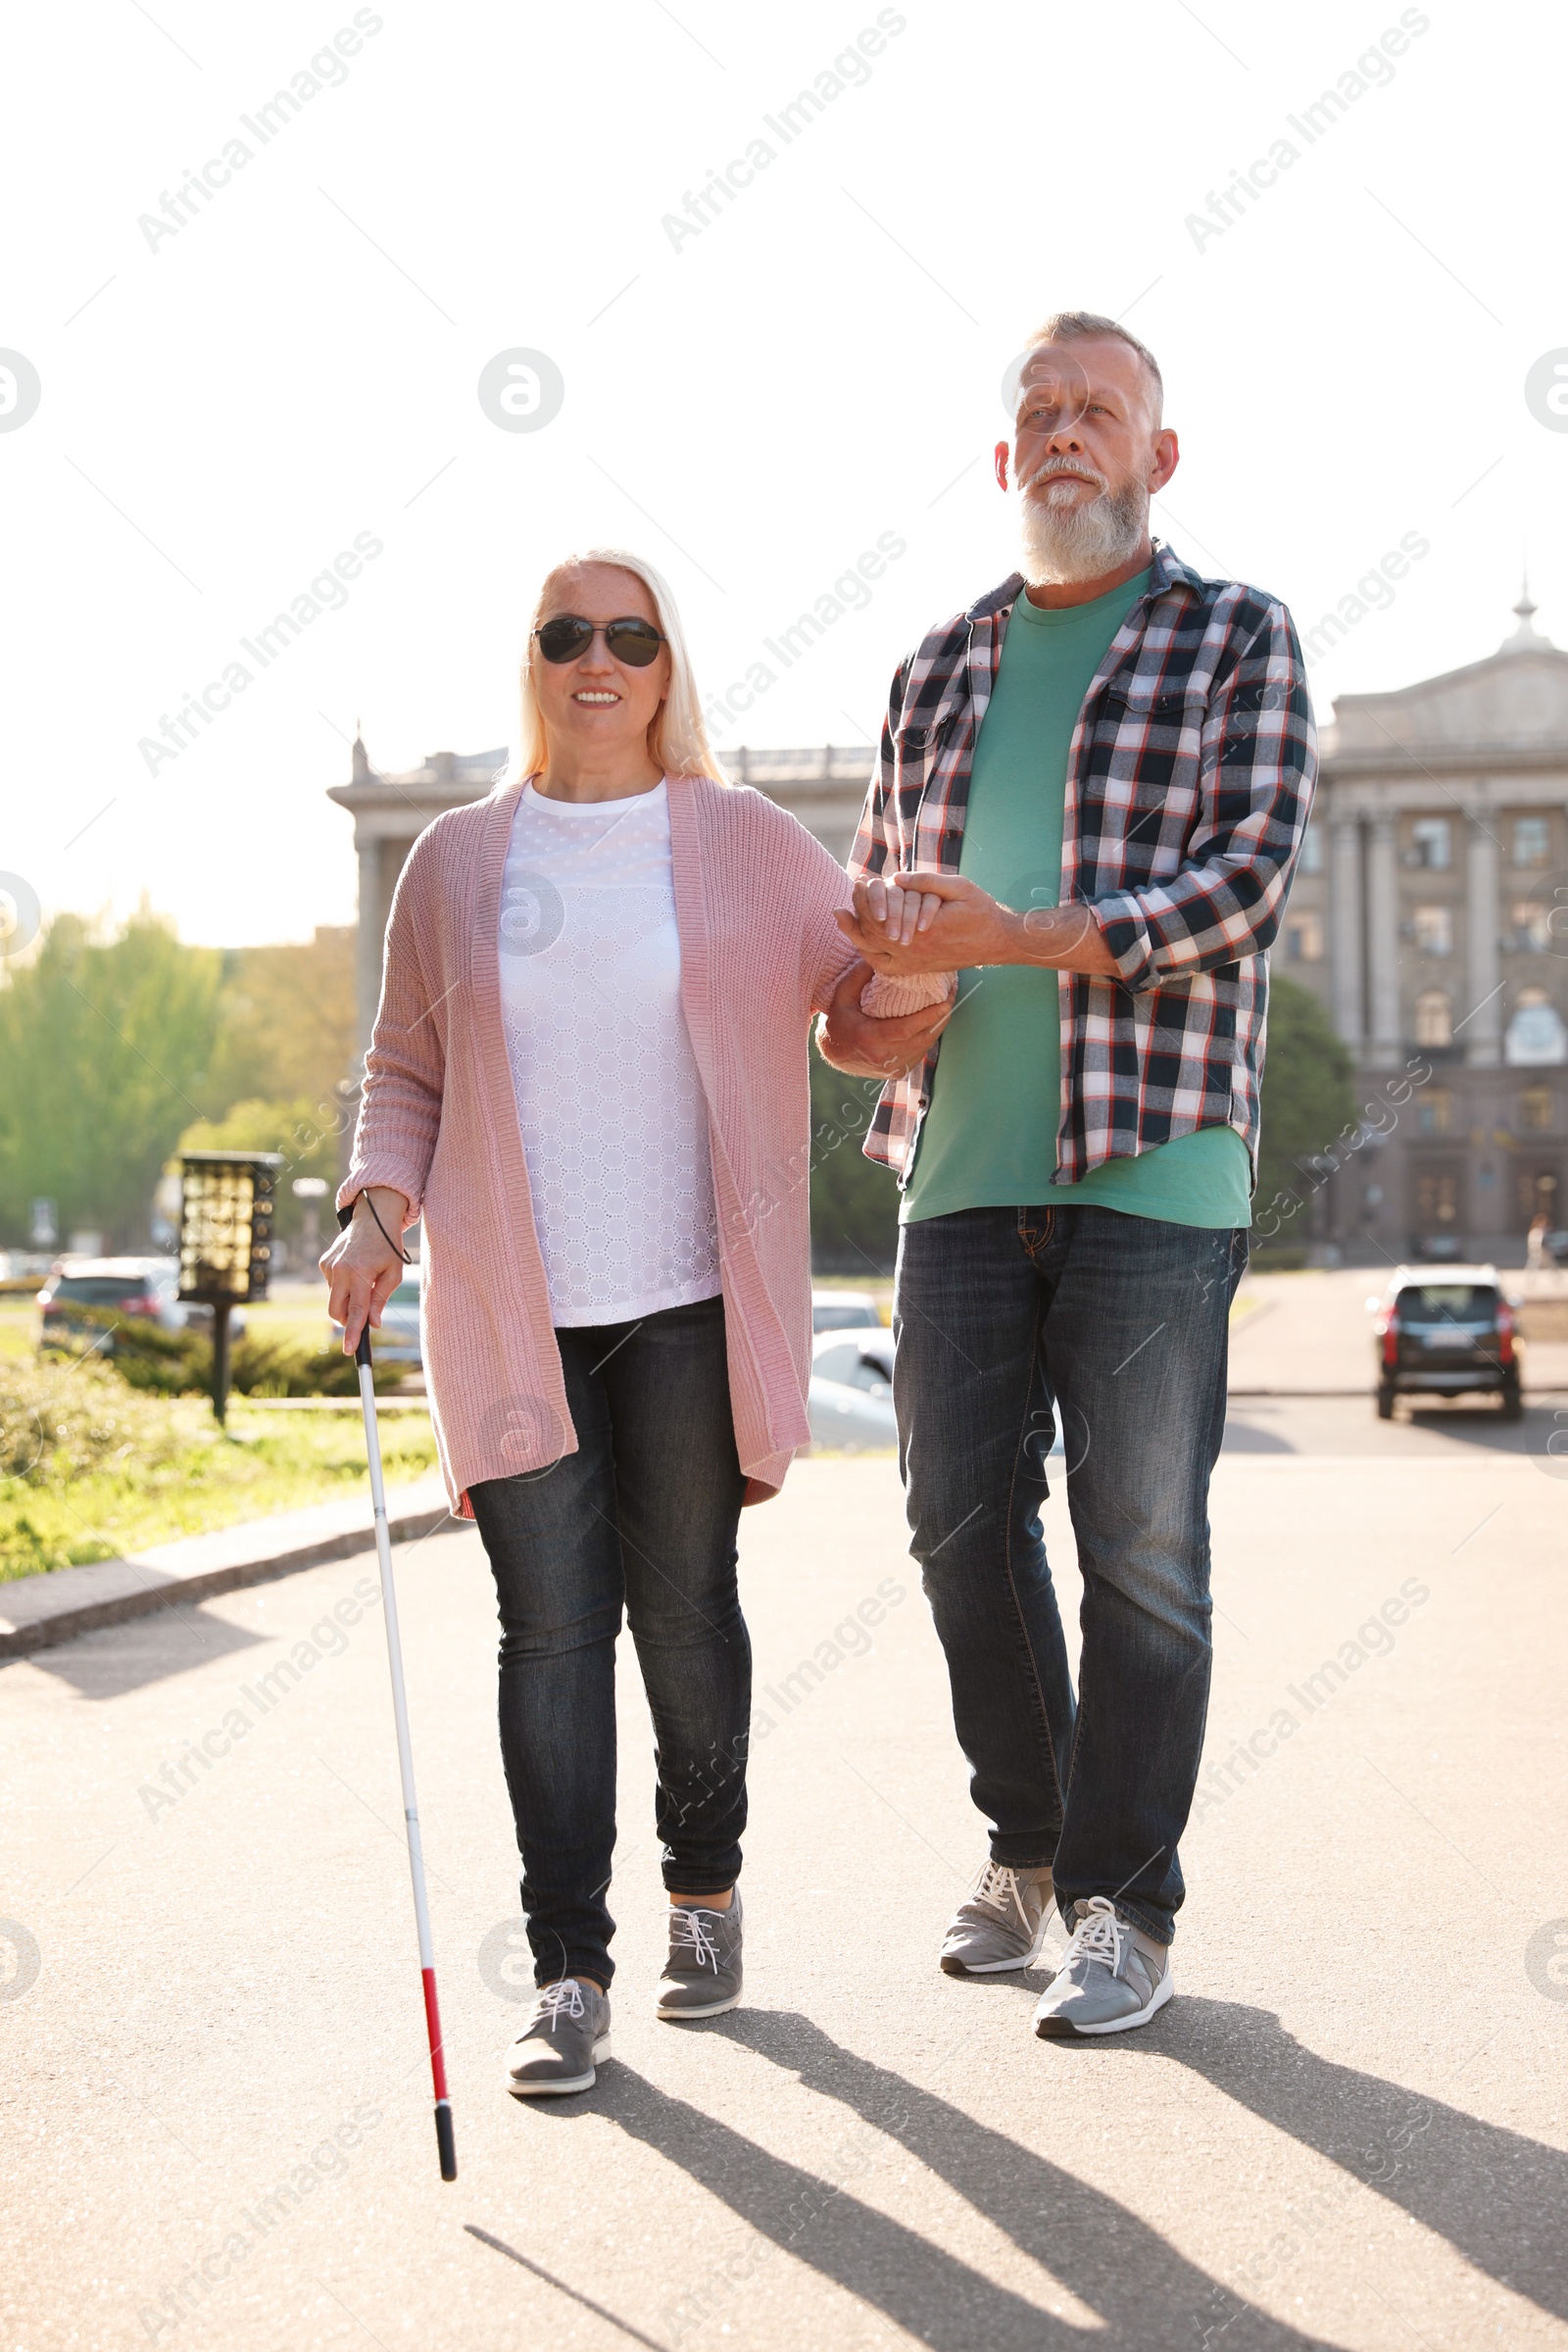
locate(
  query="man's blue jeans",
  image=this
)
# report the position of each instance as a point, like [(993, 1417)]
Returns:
[(1007, 1321), (644, 1516)]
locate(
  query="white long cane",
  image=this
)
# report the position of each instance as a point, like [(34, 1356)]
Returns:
[(400, 1709)]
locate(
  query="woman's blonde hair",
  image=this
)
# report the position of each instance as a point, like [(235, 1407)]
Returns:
[(676, 737)]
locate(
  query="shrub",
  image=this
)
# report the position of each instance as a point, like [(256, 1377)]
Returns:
[(61, 1418), (180, 1364), (267, 1368), (91, 1467)]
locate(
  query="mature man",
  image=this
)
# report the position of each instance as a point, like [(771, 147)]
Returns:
[(1092, 786)]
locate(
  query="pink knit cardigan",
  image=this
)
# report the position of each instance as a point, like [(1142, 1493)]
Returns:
[(755, 899)]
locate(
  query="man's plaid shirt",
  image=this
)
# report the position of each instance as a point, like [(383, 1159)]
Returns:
[(1188, 781)]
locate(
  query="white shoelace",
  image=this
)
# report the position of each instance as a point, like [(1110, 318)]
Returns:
[(996, 1887), (1099, 1935), (689, 1927), (551, 2001)]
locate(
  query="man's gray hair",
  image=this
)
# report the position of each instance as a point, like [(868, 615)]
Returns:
[(1076, 326)]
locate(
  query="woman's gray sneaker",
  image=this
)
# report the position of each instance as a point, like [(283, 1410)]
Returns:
[(703, 1974), (1002, 1925), (564, 2036), (1111, 1977)]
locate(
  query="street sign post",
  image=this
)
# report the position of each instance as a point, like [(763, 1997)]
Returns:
[(225, 1241)]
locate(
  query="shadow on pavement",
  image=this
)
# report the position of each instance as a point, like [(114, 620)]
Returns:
[(1245, 1437), (117, 1659), (1497, 2197), (1482, 1425), (1143, 2290)]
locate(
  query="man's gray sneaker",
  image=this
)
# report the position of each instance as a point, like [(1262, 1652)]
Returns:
[(1002, 1925), (703, 1974), (1111, 1977), (564, 2036)]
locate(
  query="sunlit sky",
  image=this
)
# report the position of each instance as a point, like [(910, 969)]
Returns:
[(230, 404)]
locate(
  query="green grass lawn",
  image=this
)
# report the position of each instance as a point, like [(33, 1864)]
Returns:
[(19, 1330), (96, 1468)]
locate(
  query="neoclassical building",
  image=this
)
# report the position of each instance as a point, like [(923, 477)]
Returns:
[(1430, 917)]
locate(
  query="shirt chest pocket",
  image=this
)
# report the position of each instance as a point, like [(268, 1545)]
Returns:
[(1146, 763), (917, 751)]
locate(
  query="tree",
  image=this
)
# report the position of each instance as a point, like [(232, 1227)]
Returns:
[(105, 1049), (287, 1022), (1310, 1099), (854, 1200)]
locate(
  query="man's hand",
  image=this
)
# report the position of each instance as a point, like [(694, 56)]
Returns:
[(929, 923), (863, 1046), (361, 1266)]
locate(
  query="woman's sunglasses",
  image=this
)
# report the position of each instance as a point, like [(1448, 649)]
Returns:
[(568, 636)]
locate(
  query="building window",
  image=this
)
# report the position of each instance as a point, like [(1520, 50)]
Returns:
[(1434, 930), (1433, 1019), (1432, 839), (1537, 1110), (1536, 1032), (1437, 1198), (1532, 840), (1303, 938), (1434, 1112), (1532, 927), (1312, 850)]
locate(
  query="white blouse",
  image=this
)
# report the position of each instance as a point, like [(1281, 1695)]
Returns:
[(612, 1114)]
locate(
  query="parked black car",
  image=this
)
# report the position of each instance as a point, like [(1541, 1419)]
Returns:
[(1445, 1336), (85, 1298)]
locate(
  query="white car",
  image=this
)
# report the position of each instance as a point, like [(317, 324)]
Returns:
[(397, 1340), (850, 1403)]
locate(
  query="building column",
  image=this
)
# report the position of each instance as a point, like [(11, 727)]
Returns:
[(1481, 1018), (1383, 944), (370, 940), (1347, 974)]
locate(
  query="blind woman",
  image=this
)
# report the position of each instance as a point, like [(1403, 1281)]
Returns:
[(588, 1081)]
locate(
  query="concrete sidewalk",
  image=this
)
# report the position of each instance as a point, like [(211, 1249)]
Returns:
[(1348, 2128)]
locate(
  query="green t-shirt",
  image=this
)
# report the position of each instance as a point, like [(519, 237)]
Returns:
[(989, 1137)]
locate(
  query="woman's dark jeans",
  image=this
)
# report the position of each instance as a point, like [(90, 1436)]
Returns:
[(644, 1515)]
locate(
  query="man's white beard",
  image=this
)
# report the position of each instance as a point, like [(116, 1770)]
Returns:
[(1063, 543)]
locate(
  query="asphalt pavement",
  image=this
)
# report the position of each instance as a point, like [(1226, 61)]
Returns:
[(1348, 2128)]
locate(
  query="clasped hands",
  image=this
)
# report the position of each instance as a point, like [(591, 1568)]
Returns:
[(930, 922)]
